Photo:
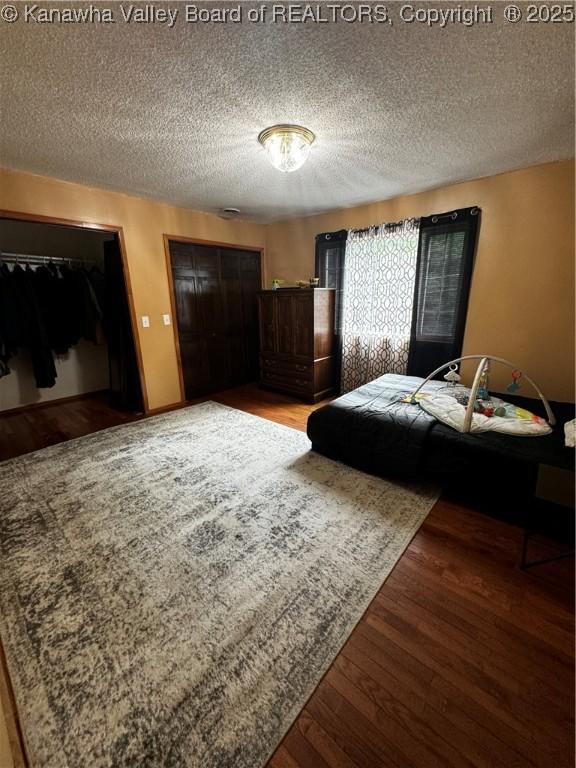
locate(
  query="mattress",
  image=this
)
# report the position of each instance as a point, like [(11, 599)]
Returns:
[(372, 429)]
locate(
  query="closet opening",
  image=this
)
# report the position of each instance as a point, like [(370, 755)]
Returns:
[(65, 322)]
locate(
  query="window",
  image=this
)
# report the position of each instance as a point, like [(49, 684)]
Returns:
[(330, 247), (443, 275)]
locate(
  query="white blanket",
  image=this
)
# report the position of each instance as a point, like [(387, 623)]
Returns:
[(447, 409)]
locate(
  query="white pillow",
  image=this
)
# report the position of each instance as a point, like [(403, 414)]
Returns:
[(570, 433)]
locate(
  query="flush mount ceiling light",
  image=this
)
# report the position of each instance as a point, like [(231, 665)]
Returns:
[(287, 146)]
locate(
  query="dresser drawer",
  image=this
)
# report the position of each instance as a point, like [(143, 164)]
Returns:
[(288, 367), (286, 380)]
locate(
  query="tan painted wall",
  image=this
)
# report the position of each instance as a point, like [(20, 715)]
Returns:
[(143, 222), (522, 299)]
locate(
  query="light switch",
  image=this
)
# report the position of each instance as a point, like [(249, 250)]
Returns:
[(166, 319), (145, 321)]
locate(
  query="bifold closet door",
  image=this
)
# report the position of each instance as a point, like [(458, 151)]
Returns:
[(240, 282), (195, 272), (215, 293)]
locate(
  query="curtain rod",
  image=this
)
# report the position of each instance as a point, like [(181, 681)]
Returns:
[(386, 225), (452, 215)]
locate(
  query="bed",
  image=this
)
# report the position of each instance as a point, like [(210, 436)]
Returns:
[(372, 429)]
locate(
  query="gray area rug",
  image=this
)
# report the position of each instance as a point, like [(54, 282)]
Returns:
[(172, 590)]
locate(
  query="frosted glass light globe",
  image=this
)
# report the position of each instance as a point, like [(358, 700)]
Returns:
[(287, 146)]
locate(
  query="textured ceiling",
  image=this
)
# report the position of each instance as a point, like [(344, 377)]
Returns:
[(173, 114)]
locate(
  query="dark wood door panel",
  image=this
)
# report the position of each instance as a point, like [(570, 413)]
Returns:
[(218, 363), (181, 256), (215, 297), (303, 324), (205, 259), (210, 305), (268, 323), (284, 324), (250, 284), (189, 322), (229, 265), (195, 366), (236, 354), (232, 302)]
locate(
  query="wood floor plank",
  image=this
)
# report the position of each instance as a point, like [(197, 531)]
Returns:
[(449, 698), (517, 623), (379, 750), (283, 759), (461, 660), (418, 742), (520, 694), (352, 744), (502, 605), (323, 743), (483, 639), (477, 685), (303, 751), (452, 723)]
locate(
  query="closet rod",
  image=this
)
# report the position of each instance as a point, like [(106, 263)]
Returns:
[(14, 258)]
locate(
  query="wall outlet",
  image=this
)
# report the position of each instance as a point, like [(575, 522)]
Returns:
[(145, 321), (166, 319)]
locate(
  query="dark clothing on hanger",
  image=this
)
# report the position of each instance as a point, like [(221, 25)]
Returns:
[(73, 290), (31, 330), (56, 309), (48, 310), (52, 304)]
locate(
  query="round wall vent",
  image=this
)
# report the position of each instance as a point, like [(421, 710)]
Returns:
[(229, 213)]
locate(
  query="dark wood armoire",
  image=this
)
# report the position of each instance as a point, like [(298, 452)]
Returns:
[(297, 341), (215, 289)]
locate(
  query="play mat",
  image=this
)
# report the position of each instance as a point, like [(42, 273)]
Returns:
[(475, 409)]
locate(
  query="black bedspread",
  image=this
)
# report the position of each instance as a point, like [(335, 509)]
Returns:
[(372, 429)]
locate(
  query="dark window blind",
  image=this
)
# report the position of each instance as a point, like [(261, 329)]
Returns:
[(329, 266), (330, 248), (443, 274)]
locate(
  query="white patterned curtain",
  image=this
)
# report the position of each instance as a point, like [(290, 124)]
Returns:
[(379, 276)]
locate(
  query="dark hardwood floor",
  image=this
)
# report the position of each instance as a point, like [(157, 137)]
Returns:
[(461, 659)]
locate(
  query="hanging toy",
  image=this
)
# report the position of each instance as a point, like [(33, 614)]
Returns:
[(452, 377), (515, 385), (483, 393)]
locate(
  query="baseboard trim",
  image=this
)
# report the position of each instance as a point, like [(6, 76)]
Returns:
[(48, 403)]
